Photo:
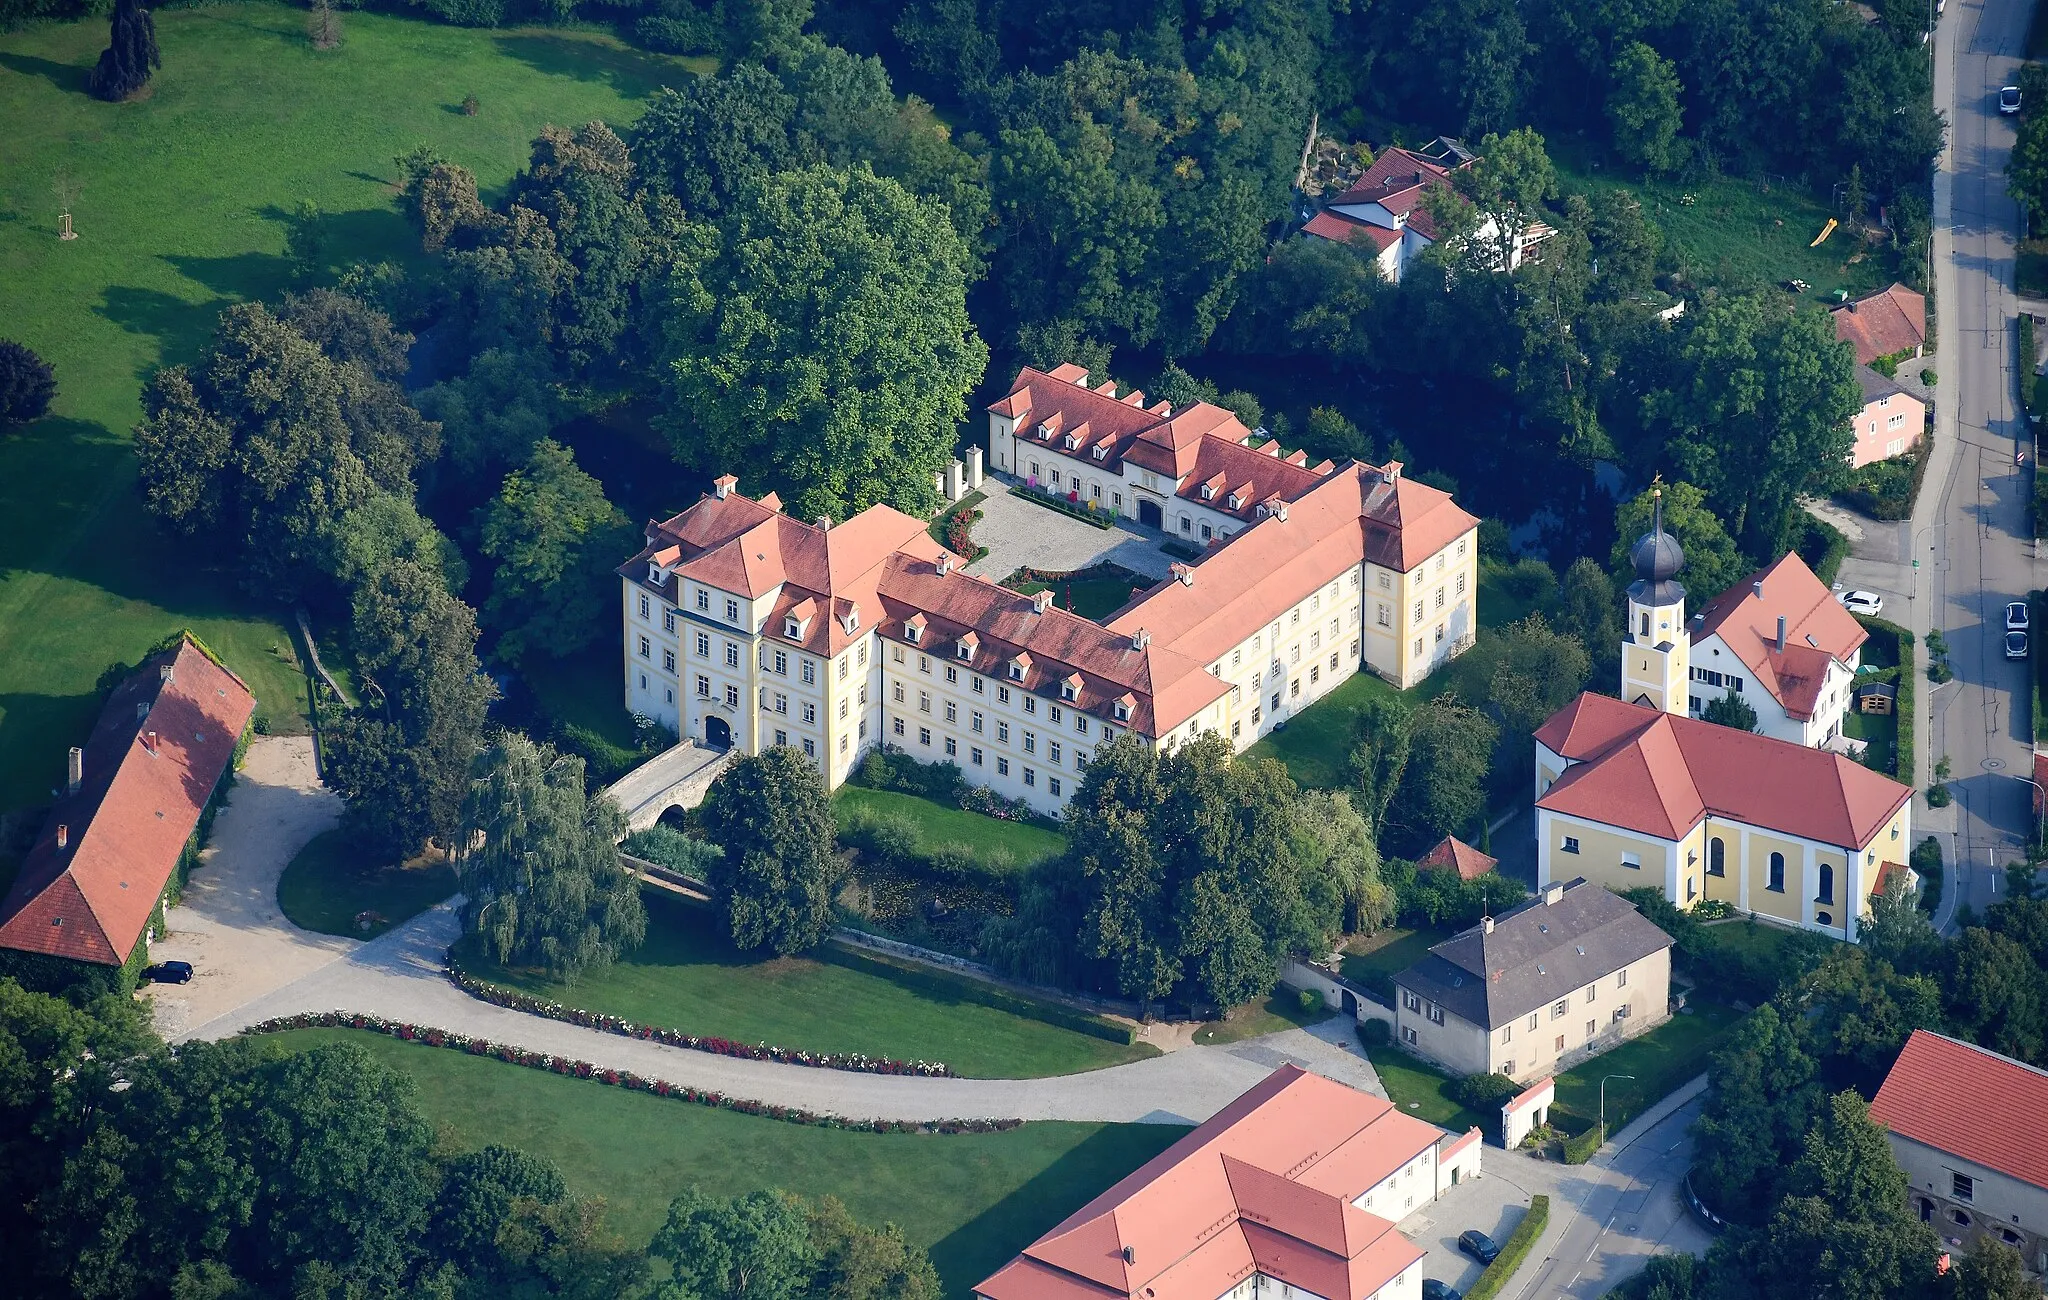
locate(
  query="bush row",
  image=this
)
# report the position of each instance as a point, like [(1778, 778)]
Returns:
[(1579, 1148), (977, 991), (570, 1067), (1086, 513), (1520, 1242), (512, 999)]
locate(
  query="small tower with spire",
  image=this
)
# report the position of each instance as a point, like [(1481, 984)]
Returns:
[(1656, 651)]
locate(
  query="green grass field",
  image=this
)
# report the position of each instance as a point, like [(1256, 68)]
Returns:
[(331, 882), (1418, 1088), (1282, 1010), (687, 977), (1315, 747), (1091, 598), (1388, 952), (936, 824), (180, 210), (972, 1199), (1661, 1061)]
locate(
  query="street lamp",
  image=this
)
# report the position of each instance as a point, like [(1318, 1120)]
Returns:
[(1603, 1102)]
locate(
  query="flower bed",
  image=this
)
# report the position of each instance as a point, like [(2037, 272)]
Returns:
[(1075, 509), (564, 1065), (512, 999)]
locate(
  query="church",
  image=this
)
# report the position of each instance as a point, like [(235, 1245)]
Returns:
[(1634, 791)]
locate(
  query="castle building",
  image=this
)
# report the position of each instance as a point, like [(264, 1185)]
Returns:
[(1635, 792), (746, 628)]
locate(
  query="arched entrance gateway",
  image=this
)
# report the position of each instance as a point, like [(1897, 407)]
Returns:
[(1149, 515), (717, 732)]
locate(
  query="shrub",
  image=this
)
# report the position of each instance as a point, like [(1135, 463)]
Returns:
[(1482, 1092), (668, 847), (469, 106), (678, 29), (952, 862), (26, 384), (1375, 1033), (1929, 378), (1310, 1001), (1926, 860), (1578, 1150), (1516, 1249)]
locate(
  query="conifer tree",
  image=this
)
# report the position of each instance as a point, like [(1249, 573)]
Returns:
[(130, 56)]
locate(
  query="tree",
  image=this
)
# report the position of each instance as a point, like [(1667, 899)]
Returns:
[(751, 1247), (856, 1262), (2026, 170), (822, 338), (1766, 1092), (1730, 711), (771, 817), (1589, 611), (27, 384), (1712, 564), (1993, 991), (493, 416), (1626, 243), (1506, 189), (556, 540), (402, 760), (1380, 746), (1537, 671), (1867, 1008), (540, 864), (1443, 785), (1992, 1270), (130, 57), (388, 527), (713, 137), (1642, 107)]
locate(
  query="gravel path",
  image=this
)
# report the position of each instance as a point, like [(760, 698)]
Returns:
[(228, 924), (398, 976)]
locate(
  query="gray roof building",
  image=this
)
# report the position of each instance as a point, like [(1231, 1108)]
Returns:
[(1508, 966)]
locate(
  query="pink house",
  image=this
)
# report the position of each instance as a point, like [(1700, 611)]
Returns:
[(1891, 422)]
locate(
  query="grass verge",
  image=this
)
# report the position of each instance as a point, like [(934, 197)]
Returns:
[(331, 883), (989, 839), (973, 1200), (1282, 1010), (1418, 1089), (1661, 1062), (688, 977)]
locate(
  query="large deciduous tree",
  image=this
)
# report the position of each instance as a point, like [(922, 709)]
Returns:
[(756, 1246), (556, 540), (770, 815), (1766, 1093), (1712, 563), (821, 339), (1442, 790), (27, 384), (1642, 107), (131, 54), (540, 863)]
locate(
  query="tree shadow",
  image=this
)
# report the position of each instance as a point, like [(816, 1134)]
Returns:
[(631, 72), (29, 724), (67, 77), (980, 1246), (241, 276), (181, 328)]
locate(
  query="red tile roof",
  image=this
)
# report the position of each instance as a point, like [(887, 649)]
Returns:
[(1970, 1102), (1660, 773), (1453, 854), (1881, 324), (1397, 181), (1818, 632), (162, 744), (1265, 1185), (1339, 226)]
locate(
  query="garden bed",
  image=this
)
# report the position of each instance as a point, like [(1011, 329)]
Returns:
[(1093, 593), (1087, 514)]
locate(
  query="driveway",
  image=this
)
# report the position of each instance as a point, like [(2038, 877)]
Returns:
[(228, 925), (1020, 534)]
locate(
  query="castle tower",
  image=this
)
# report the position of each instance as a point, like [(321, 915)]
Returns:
[(1656, 651)]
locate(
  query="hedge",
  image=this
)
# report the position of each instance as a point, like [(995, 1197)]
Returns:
[(1578, 1150), (1099, 518), (2037, 607), (1523, 1240), (977, 991), (1909, 684)]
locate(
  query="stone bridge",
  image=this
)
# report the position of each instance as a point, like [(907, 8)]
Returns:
[(675, 778)]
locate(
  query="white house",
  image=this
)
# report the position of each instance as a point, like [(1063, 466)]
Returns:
[(1781, 641)]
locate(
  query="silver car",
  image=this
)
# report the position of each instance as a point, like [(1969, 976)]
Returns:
[(2015, 645), (2008, 99), (2016, 616)]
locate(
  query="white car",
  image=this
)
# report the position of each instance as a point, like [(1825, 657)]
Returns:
[(2008, 99), (2016, 616), (1867, 603), (2015, 645)]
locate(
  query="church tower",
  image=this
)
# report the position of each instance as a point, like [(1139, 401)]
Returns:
[(1656, 651)]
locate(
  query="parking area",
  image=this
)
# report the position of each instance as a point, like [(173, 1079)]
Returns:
[(1020, 534), (1493, 1203)]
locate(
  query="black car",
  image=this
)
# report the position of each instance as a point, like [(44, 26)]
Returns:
[(169, 972), (1478, 1245), (1435, 1290)]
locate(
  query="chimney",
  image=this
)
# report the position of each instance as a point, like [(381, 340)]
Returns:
[(1757, 587), (1486, 925), (1139, 640), (944, 564), (1553, 892), (1184, 574), (149, 741), (1041, 601), (76, 772), (1392, 470), (1781, 634), (63, 836), (723, 485), (165, 674)]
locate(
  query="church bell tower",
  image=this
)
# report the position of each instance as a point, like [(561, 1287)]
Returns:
[(1656, 651)]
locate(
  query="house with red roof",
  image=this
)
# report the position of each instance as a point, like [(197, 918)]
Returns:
[(1636, 792), (88, 892), (747, 629), (1889, 323), (1781, 641), (1294, 1189), (1454, 855), (1965, 1124), (1386, 209)]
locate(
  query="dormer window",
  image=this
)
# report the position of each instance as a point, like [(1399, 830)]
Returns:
[(1073, 441), (655, 573), (1071, 688), (1101, 451), (1235, 502), (1016, 670), (792, 629), (1123, 709), (964, 648), (852, 620), (914, 629)]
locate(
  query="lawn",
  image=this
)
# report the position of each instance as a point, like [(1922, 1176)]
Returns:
[(1737, 232), (1881, 730), (331, 882), (1315, 745), (1094, 599), (687, 977), (972, 1199), (1370, 959), (1661, 1061), (1752, 938), (1280, 1011), (1026, 845), (1418, 1088), (181, 210)]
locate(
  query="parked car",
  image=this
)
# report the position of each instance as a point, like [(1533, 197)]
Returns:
[(2015, 645), (169, 972), (2016, 616), (2008, 99), (1866, 603), (1435, 1290), (1478, 1245)]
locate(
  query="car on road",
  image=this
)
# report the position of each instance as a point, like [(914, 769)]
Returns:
[(2008, 99), (1866, 603), (169, 972), (1435, 1290), (1478, 1245), (2016, 616), (2015, 645)]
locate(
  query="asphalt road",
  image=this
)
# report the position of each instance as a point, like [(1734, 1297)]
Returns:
[(1971, 532)]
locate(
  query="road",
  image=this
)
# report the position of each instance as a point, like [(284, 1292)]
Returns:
[(1970, 532)]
